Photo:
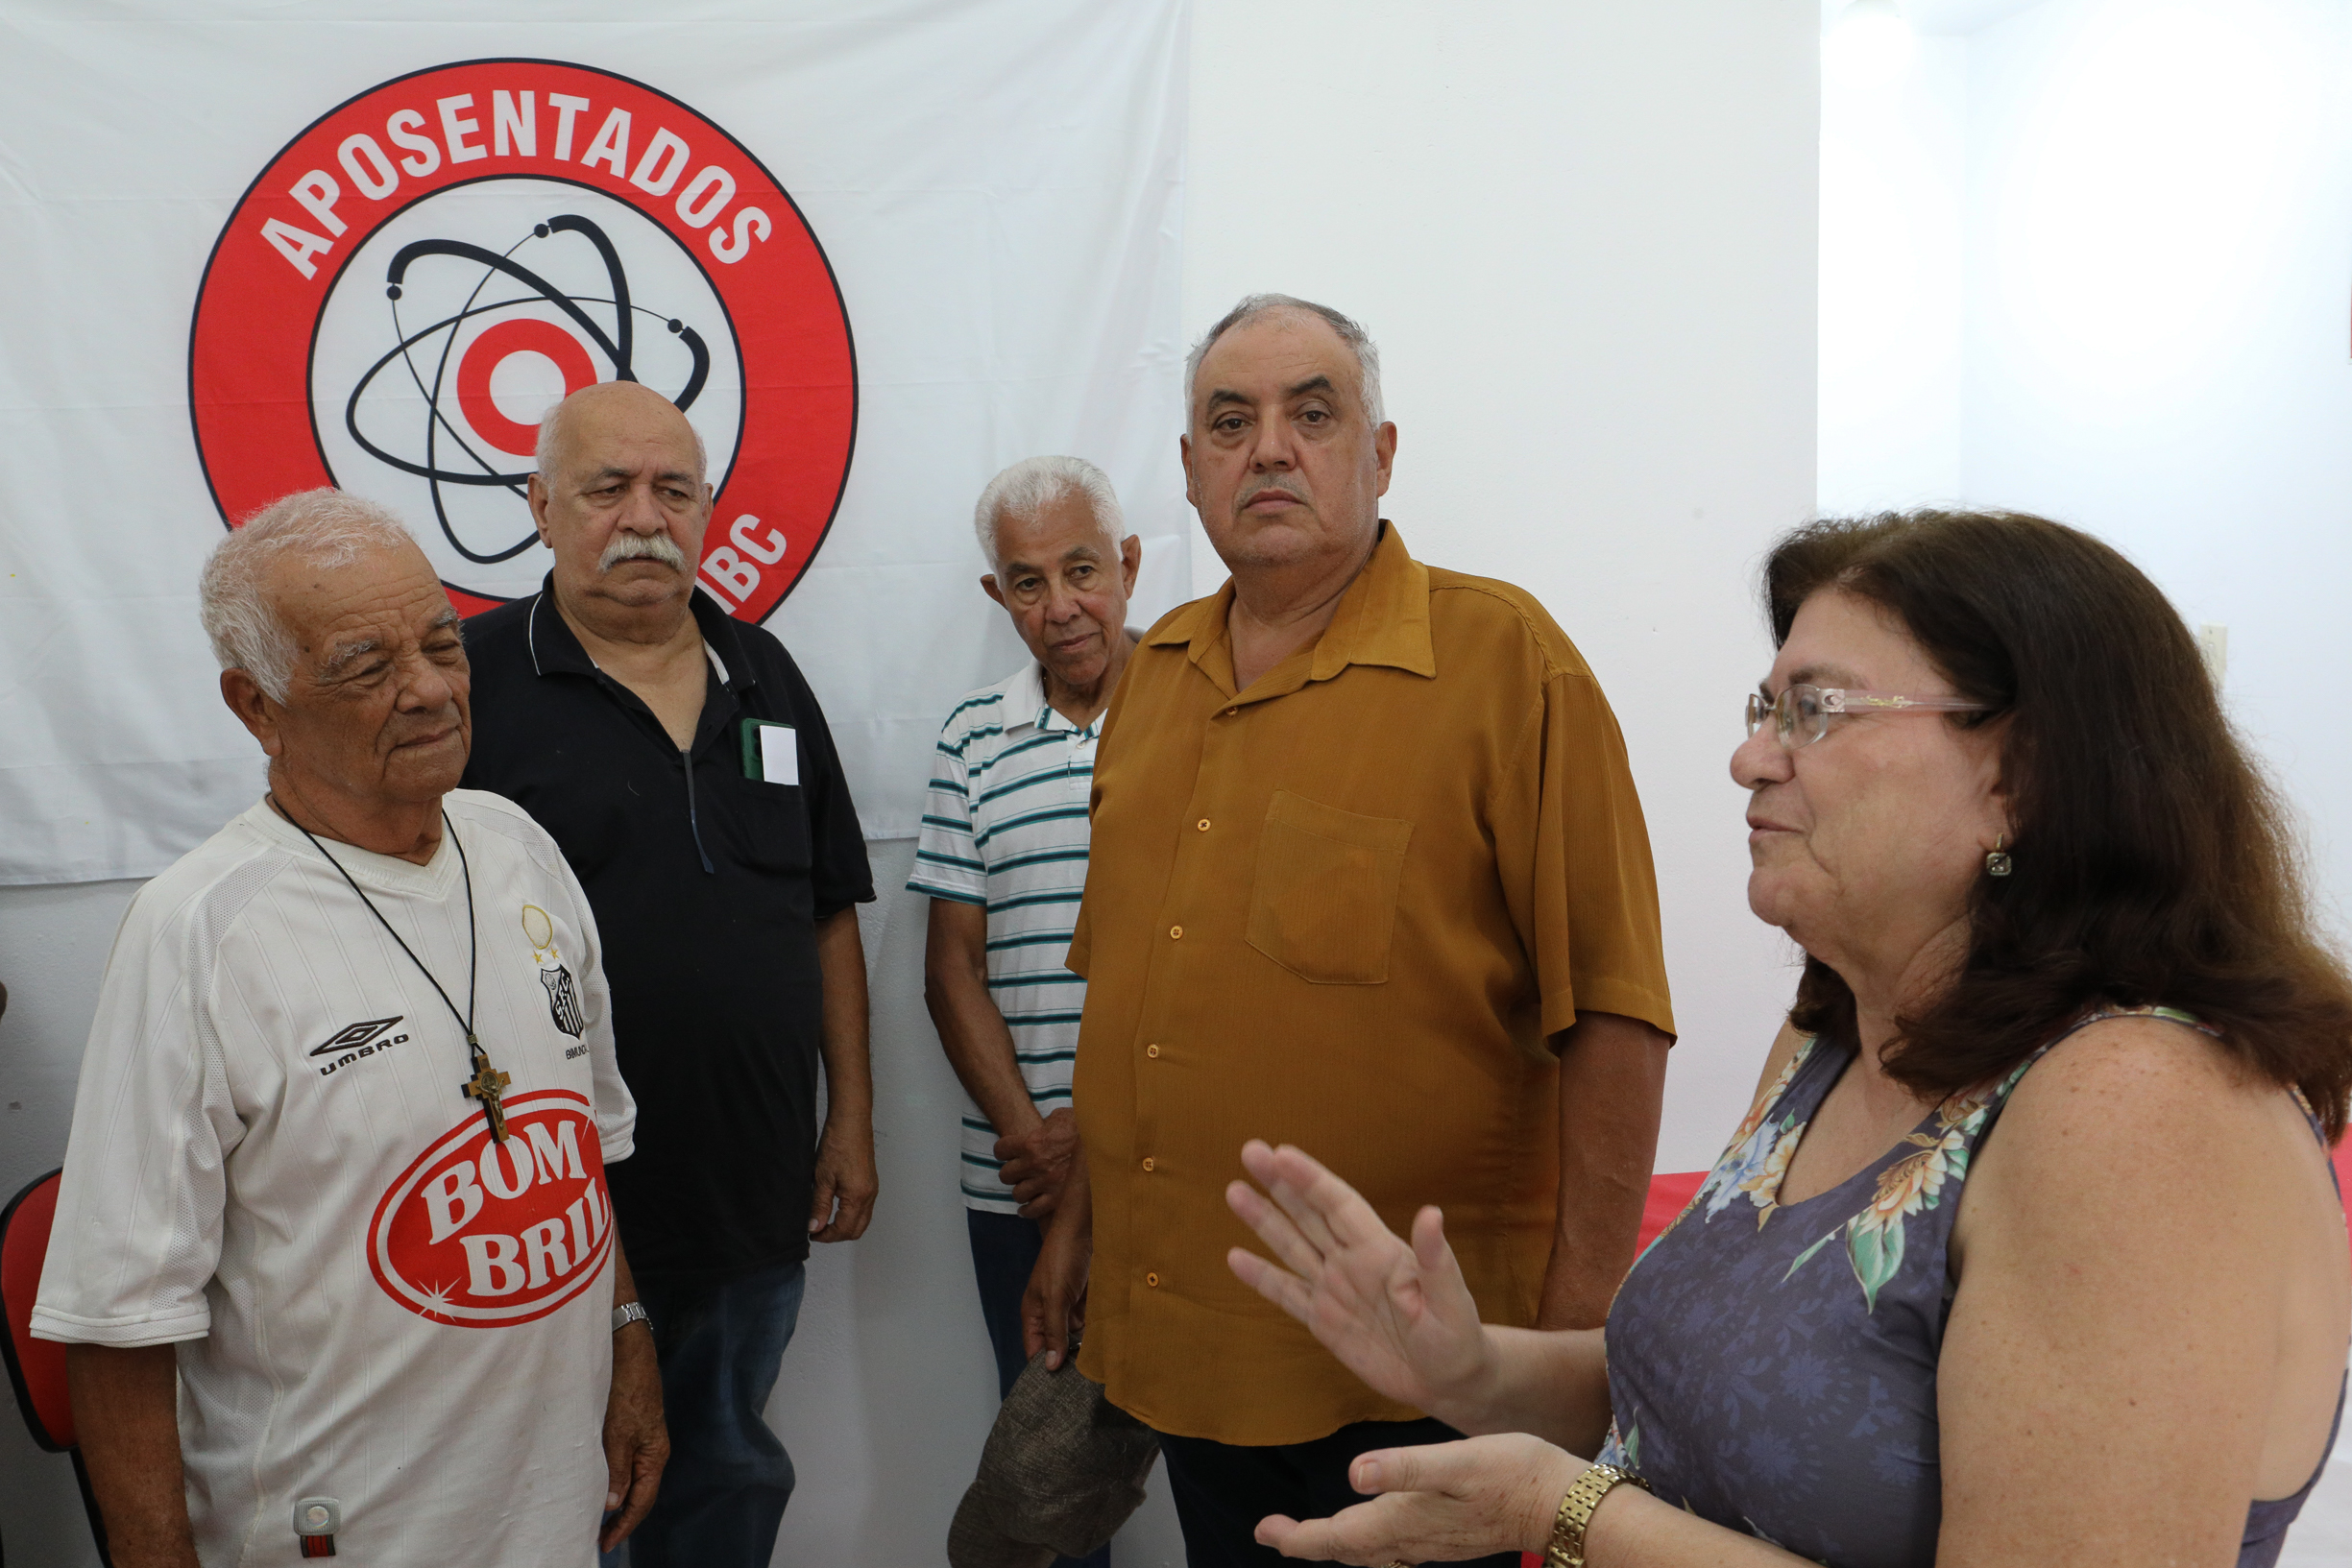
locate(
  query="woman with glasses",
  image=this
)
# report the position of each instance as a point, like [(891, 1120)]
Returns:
[(2028, 1250)]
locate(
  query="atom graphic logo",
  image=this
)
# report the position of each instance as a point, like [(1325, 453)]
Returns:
[(421, 272)]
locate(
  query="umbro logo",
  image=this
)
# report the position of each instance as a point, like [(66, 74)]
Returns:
[(352, 1036)]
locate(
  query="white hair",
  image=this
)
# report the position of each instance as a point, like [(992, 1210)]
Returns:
[(1033, 484), (323, 528), (551, 426), (1359, 342)]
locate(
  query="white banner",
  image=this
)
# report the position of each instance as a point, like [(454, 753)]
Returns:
[(876, 250)]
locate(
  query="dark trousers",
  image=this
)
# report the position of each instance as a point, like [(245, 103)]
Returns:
[(720, 1346), (1005, 1248), (1222, 1490)]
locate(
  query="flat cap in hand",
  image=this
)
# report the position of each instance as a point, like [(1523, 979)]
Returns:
[(1062, 1470)]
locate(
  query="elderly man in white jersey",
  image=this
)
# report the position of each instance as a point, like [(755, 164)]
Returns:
[(337, 1161), (1003, 856)]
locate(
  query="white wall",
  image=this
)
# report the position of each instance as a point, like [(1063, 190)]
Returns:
[(1893, 177), (2160, 349), (1583, 235), (2094, 260)]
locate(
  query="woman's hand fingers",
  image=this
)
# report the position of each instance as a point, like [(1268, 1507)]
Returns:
[(1429, 1467), (1285, 1289), (1273, 1227), (1305, 1204), (1441, 1272), (1339, 1538)]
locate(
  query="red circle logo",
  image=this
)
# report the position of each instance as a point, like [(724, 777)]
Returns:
[(421, 272), (484, 1234)]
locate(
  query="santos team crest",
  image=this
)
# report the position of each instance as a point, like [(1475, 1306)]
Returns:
[(420, 272)]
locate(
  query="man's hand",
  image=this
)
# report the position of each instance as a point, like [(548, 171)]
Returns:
[(846, 1182), (636, 1443), (1036, 1163), (1053, 1307)]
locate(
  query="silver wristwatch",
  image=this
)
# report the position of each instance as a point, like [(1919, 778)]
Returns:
[(623, 1317)]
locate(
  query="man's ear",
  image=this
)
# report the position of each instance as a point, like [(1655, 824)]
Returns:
[(1130, 562), (537, 497), (987, 586), (1185, 455), (253, 710), (1384, 452)]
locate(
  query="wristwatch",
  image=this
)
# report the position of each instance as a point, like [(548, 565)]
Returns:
[(633, 1312), (1567, 1545)]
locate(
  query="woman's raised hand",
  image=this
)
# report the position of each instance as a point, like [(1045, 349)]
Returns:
[(1397, 1316)]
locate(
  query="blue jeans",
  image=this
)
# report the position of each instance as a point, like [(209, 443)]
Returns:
[(1005, 1248), (720, 1346)]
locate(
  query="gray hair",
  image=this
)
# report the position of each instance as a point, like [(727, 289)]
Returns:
[(324, 528), (1359, 342), (1035, 483), (550, 431)]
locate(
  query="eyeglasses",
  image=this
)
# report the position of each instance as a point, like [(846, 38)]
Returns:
[(1801, 714)]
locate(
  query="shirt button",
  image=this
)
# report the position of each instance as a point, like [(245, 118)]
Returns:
[(1151, 1280), (1151, 1050), (1230, 712), (1175, 934), (1147, 1162), (1202, 825)]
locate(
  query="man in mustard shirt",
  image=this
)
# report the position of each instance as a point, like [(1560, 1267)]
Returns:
[(1369, 877)]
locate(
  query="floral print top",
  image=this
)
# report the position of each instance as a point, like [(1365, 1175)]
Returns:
[(1772, 1365)]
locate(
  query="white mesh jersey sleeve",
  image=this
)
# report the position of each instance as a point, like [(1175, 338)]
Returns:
[(615, 1107), (137, 1236)]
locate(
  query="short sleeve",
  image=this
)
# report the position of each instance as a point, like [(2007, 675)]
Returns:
[(615, 1106), (839, 874), (137, 1235), (1575, 857), (947, 862)]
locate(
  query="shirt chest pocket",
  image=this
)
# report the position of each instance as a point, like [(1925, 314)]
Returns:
[(1323, 903), (775, 822)]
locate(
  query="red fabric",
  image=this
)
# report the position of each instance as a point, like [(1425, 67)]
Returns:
[(1669, 1196), (2343, 1176), (40, 1362)]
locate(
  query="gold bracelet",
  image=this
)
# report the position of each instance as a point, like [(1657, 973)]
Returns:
[(1575, 1516)]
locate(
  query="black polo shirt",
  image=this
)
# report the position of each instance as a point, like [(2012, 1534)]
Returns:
[(707, 885)]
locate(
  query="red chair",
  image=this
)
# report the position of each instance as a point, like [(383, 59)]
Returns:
[(36, 1367)]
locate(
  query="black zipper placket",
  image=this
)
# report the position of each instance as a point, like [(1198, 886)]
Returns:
[(686, 755)]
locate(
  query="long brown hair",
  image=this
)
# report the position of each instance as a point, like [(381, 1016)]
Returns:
[(2154, 865)]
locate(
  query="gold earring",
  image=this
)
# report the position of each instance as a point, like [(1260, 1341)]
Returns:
[(1997, 863)]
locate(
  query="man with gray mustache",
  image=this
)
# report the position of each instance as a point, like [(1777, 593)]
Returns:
[(682, 763)]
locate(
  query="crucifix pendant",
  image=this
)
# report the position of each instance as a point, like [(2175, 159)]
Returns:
[(486, 1085)]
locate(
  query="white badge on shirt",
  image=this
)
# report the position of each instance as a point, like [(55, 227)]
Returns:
[(772, 752)]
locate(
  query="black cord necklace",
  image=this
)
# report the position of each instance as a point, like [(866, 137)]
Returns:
[(487, 1084)]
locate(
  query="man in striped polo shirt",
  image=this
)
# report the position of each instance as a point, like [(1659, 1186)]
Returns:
[(1004, 857)]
